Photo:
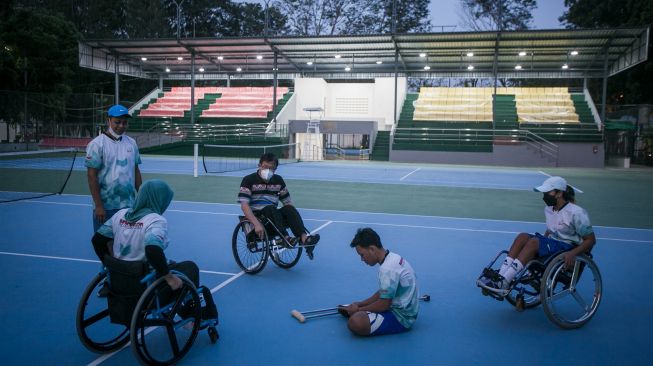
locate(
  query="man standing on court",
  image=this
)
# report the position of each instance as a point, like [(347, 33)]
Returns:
[(393, 308), (112, 161)]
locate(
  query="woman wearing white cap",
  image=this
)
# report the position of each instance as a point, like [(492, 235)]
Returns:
[(568, 228)]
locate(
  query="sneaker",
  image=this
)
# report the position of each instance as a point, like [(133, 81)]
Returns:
[(499, 287), (310, 243), (483, 282)]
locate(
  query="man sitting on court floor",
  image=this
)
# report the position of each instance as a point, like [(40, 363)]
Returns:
[(260, 193), (393, 308)]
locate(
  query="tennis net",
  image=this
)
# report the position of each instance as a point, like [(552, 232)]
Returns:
[(35, 174), (229, 158)]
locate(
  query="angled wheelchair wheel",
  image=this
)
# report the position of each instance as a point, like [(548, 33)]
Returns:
[(525, 295), (165, 323), (94, 326), (284, 255), (570, 298), (250, 255)]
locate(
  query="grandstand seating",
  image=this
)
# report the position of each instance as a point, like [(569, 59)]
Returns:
[(64, 142), (454, 104), (236, 102)]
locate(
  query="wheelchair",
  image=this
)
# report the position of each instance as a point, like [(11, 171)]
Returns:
[(252, 252), (569, 297), (160, 323)]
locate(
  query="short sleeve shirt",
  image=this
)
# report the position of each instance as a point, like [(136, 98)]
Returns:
[(570, 224), (116, 163), (397, 281), (258, 193), (131, 238)]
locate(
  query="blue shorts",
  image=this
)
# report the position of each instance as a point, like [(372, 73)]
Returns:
[(384, 323), (550, 246)]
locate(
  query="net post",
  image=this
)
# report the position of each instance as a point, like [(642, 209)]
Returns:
[(195, 155)]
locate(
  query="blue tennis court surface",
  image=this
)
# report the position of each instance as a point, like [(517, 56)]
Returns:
[(46, 260), (406, 174)]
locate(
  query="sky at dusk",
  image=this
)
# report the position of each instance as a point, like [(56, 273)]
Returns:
[(446, 13)]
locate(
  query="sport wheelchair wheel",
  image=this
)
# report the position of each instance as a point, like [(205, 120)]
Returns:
[(94, 326), (569, 299), (284, 255), (159, 334), (250, 255)]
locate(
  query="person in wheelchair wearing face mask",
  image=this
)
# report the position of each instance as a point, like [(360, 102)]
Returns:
[(568, 228), (259, 195)]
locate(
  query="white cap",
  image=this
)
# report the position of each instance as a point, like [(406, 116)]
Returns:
[(552, 183)]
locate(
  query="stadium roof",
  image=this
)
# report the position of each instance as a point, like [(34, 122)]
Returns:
[(590, 53)]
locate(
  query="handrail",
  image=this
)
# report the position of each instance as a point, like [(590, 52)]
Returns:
[(145, 99), (595, 112), (434, 134)]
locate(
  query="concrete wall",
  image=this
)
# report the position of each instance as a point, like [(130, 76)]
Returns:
[(351, 101), (310, 92), (580, 155)]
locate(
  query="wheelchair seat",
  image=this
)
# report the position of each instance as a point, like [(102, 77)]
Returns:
[(125, 287)]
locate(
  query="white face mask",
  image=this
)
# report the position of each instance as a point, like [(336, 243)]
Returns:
[(266, 174), (113, 133)]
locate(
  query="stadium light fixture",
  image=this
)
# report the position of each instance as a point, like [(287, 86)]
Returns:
[(201, 69), (422, 55), (427, 67), (574, 53), (517, 67), (337, 56), (259, 57), (143, 58), (347, 68), (167, 69), (470, 67), (379, 62), (220, 58), (180, 58), (470, 54), (309, 63), (239, 69), (522, 53), (565, 67)]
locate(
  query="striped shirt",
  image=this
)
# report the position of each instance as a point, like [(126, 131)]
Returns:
[(258, 193)]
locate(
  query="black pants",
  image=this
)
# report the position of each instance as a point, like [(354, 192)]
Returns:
[(189, 269), (286, 216)]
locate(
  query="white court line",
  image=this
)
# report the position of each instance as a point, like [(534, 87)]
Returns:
[(337, 211), (406, 176), (50, 257), (92, 261)]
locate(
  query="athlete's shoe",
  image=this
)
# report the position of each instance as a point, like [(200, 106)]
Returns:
[(310, 243)]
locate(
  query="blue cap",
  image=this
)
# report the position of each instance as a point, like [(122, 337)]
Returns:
[(118, 111)]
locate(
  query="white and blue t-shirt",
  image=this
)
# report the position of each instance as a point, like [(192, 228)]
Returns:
[(569, 224), (116, 162), (397, 281), (131, 238)]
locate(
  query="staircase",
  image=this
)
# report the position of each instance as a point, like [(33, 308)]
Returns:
[(381, 150), (505, 119)]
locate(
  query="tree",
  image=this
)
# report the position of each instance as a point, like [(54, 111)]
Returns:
[(634, 85), (376, 17), (332, 17), (480, 15)]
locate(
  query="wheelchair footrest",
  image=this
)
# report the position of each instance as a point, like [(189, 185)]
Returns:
[(491, 274)]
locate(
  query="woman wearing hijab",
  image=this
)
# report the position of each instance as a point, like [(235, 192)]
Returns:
[(140, 234)]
